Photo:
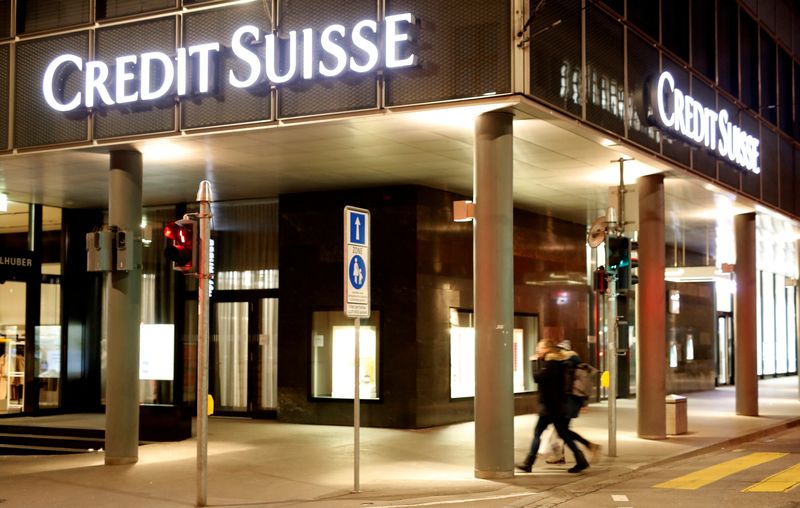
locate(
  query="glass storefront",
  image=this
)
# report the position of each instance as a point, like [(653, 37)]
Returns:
[(462, 353), (21, 280), (776, 327), (333, 356)]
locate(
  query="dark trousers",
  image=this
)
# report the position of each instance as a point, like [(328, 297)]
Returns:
[(561, 425)]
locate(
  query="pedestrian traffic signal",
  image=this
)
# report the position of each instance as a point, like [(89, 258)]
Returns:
[(600, 282), (634, 257), (182, 248), (626, 264), (618, 254)]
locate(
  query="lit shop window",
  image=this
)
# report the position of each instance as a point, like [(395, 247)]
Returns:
[(333, 354), (462, 353)]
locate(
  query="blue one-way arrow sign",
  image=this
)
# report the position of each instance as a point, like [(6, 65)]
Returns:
[(356, 262)]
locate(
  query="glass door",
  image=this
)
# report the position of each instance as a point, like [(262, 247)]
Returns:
[(243, 356), (724, 348)]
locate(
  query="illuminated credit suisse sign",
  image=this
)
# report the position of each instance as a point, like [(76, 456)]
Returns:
[(153, 75), (675, 111)]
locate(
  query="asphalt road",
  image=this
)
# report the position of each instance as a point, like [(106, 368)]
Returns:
[(757, 474)]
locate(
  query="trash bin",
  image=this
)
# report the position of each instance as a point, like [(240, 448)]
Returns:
[(676, 414)]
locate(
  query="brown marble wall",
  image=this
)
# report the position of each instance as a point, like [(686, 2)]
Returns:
[(422, 268)]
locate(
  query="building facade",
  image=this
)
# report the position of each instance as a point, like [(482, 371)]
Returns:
[(293, 110)]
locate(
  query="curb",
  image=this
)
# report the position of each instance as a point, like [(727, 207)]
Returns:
[(743, 438)]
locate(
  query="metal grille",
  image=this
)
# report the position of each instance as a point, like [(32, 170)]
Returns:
[(605, 93), (39, 15), (642, 65), (135, 38), (703, 159), (770, 173), (673, 147), (751, 182), (463, 49), (231, 105), (556, 55), (787, 176), (4, 52), (35, 124), (115, 8), (796, 180), (726, 172), (327, 95), (5, 18)]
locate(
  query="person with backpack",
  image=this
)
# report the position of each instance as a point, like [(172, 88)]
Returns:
[(550, 373), (579, 387)]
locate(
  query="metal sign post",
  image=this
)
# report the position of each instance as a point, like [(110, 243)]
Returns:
[(356, 304), (203, 276)]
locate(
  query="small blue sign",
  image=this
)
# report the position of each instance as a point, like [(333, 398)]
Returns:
[(358, 224), (357, 272)]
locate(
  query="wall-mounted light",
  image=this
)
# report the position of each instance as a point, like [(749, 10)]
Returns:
[(3, 202), (463, 211)]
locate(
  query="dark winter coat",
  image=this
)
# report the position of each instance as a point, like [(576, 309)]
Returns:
[(550, 373)]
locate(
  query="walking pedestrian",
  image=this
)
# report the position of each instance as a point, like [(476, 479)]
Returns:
[(574, 404), (550, 375)]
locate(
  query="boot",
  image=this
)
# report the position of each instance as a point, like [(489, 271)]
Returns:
[(527, 465), (581, 463)]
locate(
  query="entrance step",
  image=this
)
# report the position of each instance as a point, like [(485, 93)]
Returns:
[(47, 440)]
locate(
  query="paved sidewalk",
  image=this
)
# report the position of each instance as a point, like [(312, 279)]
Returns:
[(265, 463)]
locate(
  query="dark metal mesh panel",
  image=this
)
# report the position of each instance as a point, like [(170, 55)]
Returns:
[(40, 15), (327, 95), (5, 18), (115, 8), (727, 172), (703, 159), (35, 123), (463, 49), (617, 5), (4, 77), (642, 65), (797, 179), (605, 94), (645, 16), (770, 171), (134, 39), (751, 183), (673, 146), (556, 55), (231, 105), (787, 176)]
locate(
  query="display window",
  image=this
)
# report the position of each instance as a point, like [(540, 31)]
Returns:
[(333, 356), (462, 353)]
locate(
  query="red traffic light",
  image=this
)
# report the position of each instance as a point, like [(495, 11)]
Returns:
[(181, 247)]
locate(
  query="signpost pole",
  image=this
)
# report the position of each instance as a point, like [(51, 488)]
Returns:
[(204, 218), (356, 413), (356, 305)]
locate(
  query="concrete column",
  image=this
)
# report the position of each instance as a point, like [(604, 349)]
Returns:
[(744, 315), (494, 296), (651, 306), (124, 314)]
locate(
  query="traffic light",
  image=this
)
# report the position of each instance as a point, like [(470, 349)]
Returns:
[(625, 276), (634, 279), (620, 261), (182, 246), (599, 281), (618, 254)]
